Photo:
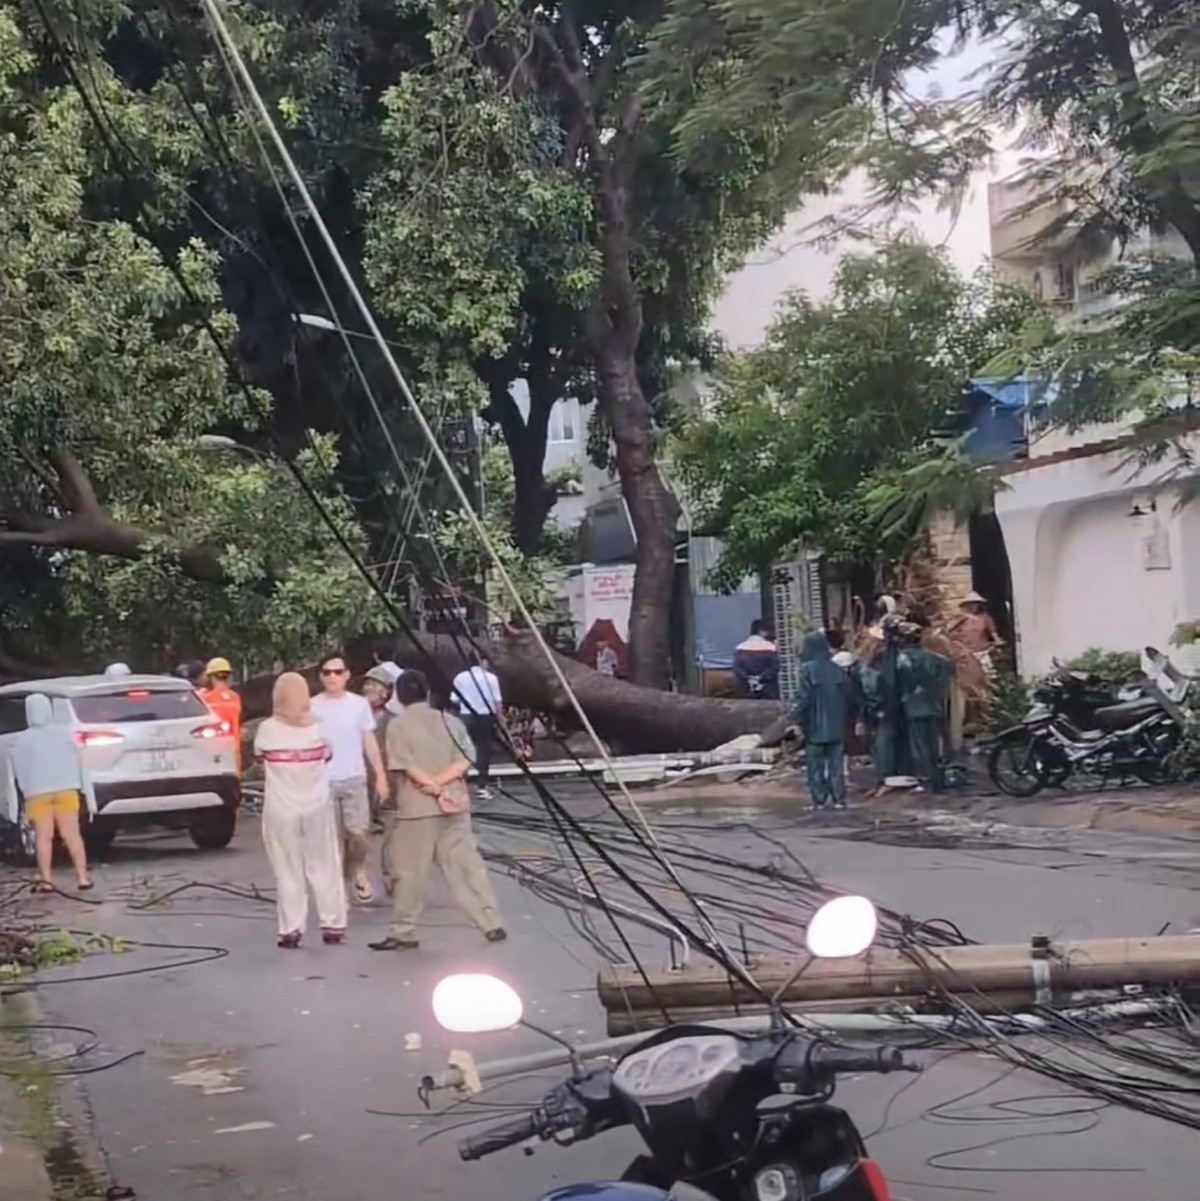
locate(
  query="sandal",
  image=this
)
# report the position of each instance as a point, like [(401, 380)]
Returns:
[(85, 886), (332, 938), (289, 942), (364, 894), (43, 886)]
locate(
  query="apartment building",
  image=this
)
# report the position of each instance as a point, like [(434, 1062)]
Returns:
[(1099, 553)]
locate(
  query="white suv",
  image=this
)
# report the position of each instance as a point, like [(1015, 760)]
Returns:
[(152, 753)]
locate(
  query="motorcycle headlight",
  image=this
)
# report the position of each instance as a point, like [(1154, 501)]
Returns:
[(780, 1182)]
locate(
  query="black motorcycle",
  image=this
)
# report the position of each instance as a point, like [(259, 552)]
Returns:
[(1076, 724), (725, 1116), (742, 1119)]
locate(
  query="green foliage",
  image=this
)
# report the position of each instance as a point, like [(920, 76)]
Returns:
[(1113, 669), (1104, 95), (1005, 703), (57, 948), (1186, 633), (824, 437), (150, 545)]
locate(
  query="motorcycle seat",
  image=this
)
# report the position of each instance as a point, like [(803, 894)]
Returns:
[(1126, 714)]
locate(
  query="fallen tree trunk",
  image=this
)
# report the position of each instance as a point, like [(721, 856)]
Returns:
[(635, 719)]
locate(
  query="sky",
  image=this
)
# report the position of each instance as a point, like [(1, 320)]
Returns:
[(792, 260)]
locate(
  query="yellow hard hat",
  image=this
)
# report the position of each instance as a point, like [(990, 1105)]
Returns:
[(218, 667)]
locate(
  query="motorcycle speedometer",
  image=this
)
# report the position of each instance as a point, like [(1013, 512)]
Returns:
[(779, 1182)]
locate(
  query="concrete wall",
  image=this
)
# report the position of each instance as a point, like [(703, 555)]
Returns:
[(1085, 572), (950, 549)]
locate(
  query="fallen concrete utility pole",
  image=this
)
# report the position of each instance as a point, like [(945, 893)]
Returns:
[(1037, 972), (462, 1072), (634, 1021)]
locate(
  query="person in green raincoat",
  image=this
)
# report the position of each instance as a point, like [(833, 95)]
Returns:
[(819, 709), (924, 678), (880, 704)]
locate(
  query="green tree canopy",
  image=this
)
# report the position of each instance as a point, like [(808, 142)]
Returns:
[(539, 209), (145, 541), (842, 394)]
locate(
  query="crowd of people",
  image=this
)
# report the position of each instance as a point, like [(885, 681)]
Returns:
[(900, 695), (390, 757), (338, 765)]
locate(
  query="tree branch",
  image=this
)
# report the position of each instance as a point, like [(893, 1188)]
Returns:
[(86, 527), (1178, 206)]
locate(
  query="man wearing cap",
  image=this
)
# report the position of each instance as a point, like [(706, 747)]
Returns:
[(224, 703), (377, 688), (976, 629)]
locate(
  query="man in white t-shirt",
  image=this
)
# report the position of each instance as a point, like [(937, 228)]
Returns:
[(477, 695), (349, 727)]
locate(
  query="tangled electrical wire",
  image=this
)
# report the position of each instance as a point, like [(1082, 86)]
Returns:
[(719, 903)]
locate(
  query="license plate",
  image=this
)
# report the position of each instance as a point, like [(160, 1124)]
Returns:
[(161, 763)]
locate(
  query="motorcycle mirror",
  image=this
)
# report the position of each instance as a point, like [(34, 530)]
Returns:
[(476, 1004), (842, 928)]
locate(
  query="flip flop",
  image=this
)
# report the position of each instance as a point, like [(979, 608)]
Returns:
[(43, 886), (87, 886), (364, 894)]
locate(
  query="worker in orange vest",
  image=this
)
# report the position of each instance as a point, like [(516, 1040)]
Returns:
[(225, 704)]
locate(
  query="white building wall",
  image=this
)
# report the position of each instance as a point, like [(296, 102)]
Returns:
[(1086, 572)]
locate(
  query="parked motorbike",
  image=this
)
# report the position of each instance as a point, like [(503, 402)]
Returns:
[(1076, 724), (725, 1116)]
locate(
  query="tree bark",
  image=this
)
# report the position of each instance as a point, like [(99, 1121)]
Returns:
[(633, 719), (654, 512)]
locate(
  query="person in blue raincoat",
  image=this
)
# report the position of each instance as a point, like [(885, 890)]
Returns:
[(819, 709)]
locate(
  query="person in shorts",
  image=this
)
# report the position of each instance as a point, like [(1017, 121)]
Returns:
[(50, 777), (349, 727)]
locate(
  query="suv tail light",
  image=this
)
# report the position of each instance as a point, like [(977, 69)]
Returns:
[(213, 729), (98, 737)]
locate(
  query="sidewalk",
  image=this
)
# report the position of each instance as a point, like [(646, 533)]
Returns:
[(1162, 812), (23, 1174)]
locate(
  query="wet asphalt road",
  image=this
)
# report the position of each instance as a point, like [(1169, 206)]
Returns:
[(268, 1074)]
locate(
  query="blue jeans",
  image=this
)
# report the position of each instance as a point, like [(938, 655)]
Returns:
[(825, 764)]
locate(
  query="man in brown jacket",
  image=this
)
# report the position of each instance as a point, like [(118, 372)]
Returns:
[(428, 755)]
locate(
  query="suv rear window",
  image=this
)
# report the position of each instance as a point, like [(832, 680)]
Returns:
[(138, 704)]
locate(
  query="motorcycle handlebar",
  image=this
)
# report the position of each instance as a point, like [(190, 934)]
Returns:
[(499, 1137), (826, 1060)]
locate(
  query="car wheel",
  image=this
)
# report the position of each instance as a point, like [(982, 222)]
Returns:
[(25, 843), (213, 829), (98, 840)]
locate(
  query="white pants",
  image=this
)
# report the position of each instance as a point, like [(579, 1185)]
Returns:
[(304, 852)]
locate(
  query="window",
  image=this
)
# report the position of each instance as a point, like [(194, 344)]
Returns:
[(563, 421), (138, 704), (12, 714)]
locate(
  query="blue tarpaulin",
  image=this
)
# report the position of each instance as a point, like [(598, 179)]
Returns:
[(721, 623), (1007, 393)]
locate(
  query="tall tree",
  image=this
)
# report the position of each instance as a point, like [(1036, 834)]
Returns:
[(842, 394), (1104, 94), (537, 169)]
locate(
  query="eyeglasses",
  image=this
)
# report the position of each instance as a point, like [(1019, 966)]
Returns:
[(335, 671)]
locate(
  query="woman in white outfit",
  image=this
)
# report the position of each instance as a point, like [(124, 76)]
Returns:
[(299, 825)]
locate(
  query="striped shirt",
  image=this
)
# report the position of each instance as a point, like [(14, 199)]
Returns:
[(294, 760)]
